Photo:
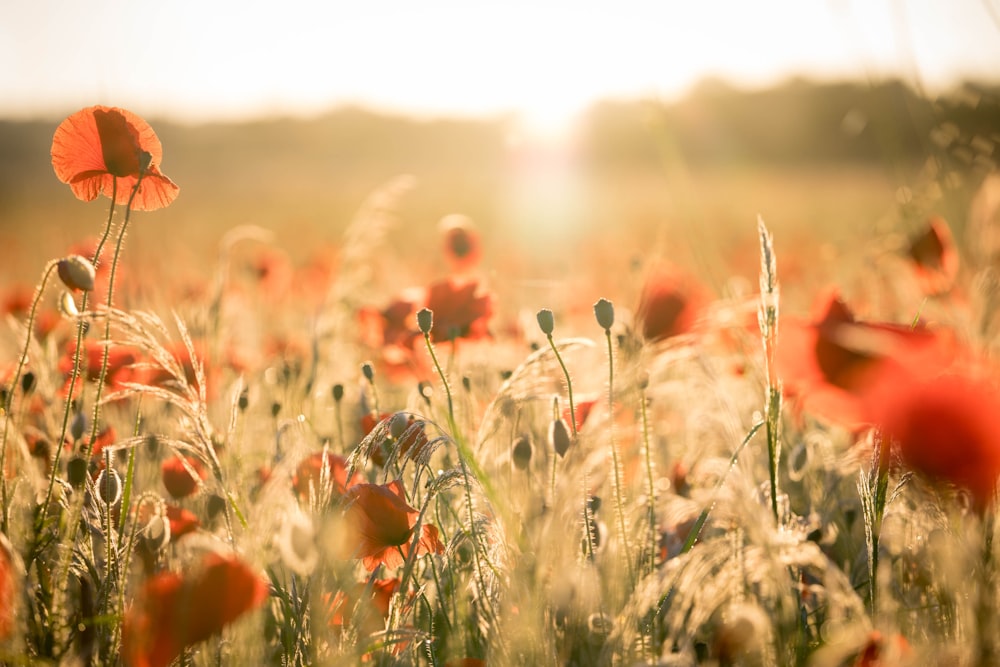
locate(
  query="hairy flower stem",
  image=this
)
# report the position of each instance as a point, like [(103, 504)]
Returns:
[(616, 462), (650, 485), (14, 385), (569, 384)]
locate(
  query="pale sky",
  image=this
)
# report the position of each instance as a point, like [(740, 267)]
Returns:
[(227, 59)]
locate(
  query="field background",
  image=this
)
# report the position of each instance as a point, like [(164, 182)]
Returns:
[(831, 168)]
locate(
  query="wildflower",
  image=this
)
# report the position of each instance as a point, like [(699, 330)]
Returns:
[(946, 429), (833, 360), (177, 476), (546, 321), (669, 305), (182, 521), (8, 588), (935, 257), (460, 310), (77, 273), (583, 410), (382, 525), (604, 311), (365, 606), (309, 473), (104, 150), (462, 248), (174, 611), (403, 430)]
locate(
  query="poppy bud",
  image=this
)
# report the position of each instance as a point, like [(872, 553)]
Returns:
[(244, 401), (76, 471), (604, 310), (109, 486), (275, 409), (27, 382), (546, 322), (338, 392), (398, 425), (559, 437), (77, 273), (77, 426), (425, 320), (368, 371), (521, 454), (156, 533)]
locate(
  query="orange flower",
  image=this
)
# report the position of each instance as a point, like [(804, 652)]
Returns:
[(8, 588), (100, 147), (382, 525), (669, 305), (182, 521), (935, 257), (946, 429), (120, 360), (460, 310), (176, 478), (462, 247), (174, 611), (832, 361), (309, 473), (408, 437), (368, 607)]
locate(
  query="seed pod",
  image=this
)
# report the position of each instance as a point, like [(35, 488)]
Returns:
[(425, 320), (559, 437), (604, 311), (521, 454), (77, 273), (109, 487), (546, 321)]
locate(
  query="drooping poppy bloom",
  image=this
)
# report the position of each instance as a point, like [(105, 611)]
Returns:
[(381, 525), (173, 611), (103, 150), (946, 429), (178, 480), (403, 434), (935, 257), (832, 361), (669, 305), (462, 248), (308, 476), (461, 310)]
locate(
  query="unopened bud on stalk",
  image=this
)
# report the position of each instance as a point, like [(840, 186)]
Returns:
[(77, 273), (109, 486), (338, 392), (521, 454), (604, 310), (546, 321), (67, 306), (398, 425), (425, 320), (559, 437), (368, 371), (77, 426)]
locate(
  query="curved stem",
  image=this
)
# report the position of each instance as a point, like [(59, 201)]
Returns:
[(15, 381), (569, 384)]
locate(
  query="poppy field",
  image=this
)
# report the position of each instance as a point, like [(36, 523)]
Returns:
[(418, 460)]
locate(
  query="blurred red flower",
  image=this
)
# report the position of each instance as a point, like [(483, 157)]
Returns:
[(935, 257), (382, 524), (669, 305), (409, 437), (832, 361), (178, 480), (182, 521), (8, 588), (120, 360), (460, 310), (174, 611), (98, 147), (462, 248), (308, 475), (946, 429), (367, 608)]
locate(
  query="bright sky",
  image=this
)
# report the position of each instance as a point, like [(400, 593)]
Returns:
[(223, 59)]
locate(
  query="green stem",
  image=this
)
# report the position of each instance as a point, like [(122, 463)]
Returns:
[(569, 384), (615, 461), (773, 407), (650, 485), (14, 386)]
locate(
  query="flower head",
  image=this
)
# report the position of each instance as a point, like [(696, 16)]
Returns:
[(462, 247), (104, 150), (174, 611), (309, 475), (460, 310), (177, 477), (669, 305), (934, 257), (382, 523)]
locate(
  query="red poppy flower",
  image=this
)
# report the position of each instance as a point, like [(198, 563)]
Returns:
[(120, 359), (98, 147), (460, 310), (182, 521), (178, 480), (369, 606), (174, 611), (308, 475), (946, 429), (462, 248), (382, 525), (409, 437), (8, 589), (669, 305), (935, 257), (832, 361), (582, 409), (157, 376)]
